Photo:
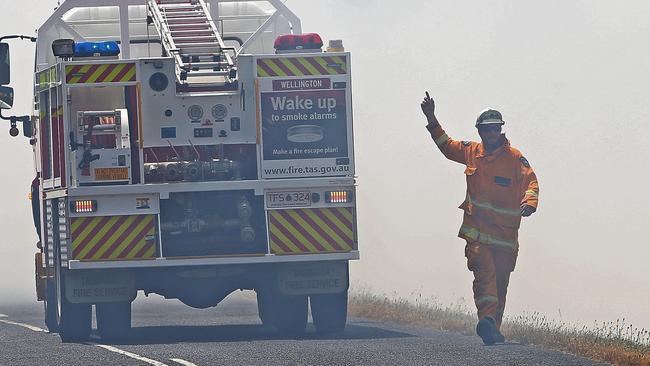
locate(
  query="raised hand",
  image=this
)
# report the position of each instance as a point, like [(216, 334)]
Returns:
[(428, 107)]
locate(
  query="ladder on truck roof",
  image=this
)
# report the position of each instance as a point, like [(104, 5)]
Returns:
[(189, 34)]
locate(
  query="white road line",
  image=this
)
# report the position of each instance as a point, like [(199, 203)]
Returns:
[(182, 362), (129, 354), (30, 327), (104, 346)]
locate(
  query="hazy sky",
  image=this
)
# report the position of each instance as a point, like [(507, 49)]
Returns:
[(572, 79)]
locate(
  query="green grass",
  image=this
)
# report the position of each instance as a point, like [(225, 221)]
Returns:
[(616, 342)]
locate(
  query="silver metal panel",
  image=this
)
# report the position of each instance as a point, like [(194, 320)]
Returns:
[(121, 204), (164, 262), (258, 186)]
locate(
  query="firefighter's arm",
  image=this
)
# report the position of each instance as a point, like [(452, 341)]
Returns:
[(452, 149), (530, 187)]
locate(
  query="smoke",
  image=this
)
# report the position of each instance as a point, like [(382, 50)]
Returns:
[(571, 80)]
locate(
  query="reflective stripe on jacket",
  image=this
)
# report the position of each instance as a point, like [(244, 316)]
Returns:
[(498, 183)]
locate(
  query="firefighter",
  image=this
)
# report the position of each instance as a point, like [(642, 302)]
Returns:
[(501, 189)]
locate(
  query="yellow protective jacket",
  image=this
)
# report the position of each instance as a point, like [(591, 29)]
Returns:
[(498, 183)]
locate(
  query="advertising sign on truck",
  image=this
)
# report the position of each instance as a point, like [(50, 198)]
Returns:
[(305, 126)]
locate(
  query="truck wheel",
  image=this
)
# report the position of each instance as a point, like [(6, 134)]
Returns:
[(51, 312), (329, 312), (113, 320), (288, 314), (74, 321), (262, 309)]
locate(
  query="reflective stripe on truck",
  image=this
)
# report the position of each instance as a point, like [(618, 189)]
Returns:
[(311, 230), (113, 237)]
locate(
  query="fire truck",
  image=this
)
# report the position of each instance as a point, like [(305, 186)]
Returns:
[(188, 148)]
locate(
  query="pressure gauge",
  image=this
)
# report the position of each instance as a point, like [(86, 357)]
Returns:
[(219, 111), (195, 112)]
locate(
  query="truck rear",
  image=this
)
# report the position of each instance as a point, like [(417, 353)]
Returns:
[(178, 153)]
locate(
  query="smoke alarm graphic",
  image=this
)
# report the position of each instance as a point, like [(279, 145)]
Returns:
[(305, 133)]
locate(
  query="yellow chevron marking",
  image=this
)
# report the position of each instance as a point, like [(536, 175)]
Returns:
[(271, 63), (347, 214), (82, 72), (128, 75), (308, 66), (141, 244), (117, 234), (325, 227), (305, 225), (100, 69), (330, 70), (89, 245), (343, 227), (82, 236), (113, 74), (284, 239), (151, 252), (340, 60), (138, 229), (304, 241), (291, 67), (276, 248), (261, 72), (136, 249), (76, 222)]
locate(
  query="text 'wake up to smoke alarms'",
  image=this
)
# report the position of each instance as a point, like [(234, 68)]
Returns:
[(297, 103)]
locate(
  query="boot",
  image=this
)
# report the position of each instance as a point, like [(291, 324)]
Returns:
[(498, 337), (486, 329)]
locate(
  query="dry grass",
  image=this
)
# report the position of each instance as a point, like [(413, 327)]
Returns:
[(615, 342)]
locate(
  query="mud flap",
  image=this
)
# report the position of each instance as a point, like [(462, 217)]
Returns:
[(41, 276), (98, 287), (313, 278)]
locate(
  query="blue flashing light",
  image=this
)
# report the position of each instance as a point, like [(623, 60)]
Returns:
[(89, 49)]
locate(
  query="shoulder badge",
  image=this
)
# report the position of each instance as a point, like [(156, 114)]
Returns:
[(467, 143), (524, 162)]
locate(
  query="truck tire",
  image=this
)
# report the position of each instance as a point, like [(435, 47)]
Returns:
[(262, 309), (50, 308), (288, 314), (329, 312), (74, 321), (113, 320)]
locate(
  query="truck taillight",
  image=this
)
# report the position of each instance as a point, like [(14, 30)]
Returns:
[(84, 206), (338, 197)]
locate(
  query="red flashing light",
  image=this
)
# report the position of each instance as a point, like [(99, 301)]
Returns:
[(309, 41)]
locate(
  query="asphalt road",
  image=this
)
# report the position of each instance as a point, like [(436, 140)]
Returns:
[(166, 332)]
